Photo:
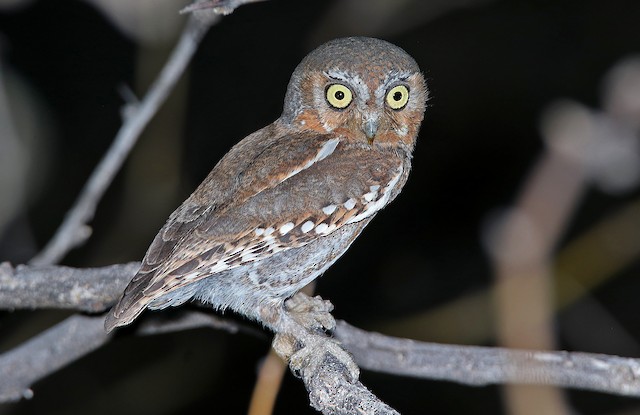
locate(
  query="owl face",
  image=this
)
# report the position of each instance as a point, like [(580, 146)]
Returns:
[(364, 89)]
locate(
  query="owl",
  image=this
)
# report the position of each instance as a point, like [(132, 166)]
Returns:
[(288, 200)]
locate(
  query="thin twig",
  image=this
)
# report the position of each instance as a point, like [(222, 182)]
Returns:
[(267, 385), (49, 351), (478, 366), (187, 320), (77, 336), (74, 229), (223, 7)]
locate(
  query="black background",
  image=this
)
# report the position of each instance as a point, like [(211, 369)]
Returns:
[(492, 69)]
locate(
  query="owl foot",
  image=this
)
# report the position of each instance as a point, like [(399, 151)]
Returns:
[(312, 313), (318, 350)]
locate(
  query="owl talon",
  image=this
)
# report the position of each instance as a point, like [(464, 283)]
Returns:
[(313, 313), (284, 345), (310, 358)]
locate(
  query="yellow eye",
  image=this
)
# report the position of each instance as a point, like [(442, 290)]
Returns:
[(397, 97), (339, 96)]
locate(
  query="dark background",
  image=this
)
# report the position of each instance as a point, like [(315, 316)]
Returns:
[(492, 69)]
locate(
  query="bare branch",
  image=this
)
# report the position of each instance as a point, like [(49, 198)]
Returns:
[(223, 7), (94, 289), (188, 320), (77, 336), (331, 387), (74, 229), (463, 364), (88, 289), (331, 392), (473, 365), (46, 353)]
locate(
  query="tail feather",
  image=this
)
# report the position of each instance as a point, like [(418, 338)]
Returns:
[(131, 304)]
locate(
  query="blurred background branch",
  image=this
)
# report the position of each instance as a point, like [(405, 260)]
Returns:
[(583, 147)]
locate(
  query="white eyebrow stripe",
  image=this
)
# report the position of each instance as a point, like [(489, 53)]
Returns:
[(353, 80), (389, 80)]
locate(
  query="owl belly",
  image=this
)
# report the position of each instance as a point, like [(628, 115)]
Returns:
[(270, 281)]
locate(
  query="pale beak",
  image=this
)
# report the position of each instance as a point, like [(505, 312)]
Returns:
[(370, 128)]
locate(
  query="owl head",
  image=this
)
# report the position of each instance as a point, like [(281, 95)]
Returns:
[(364, 89)]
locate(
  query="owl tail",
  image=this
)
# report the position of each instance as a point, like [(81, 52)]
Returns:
[(131, 304)]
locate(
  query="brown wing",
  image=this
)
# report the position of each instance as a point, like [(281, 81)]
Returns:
[(286, 195)]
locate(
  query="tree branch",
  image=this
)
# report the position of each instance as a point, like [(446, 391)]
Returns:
[(46, 353), (470, 365), (74, 230), (223, 7), (95, 289), (77, 336), (331, 389), (478, 366), (331, 392), (87, 290)]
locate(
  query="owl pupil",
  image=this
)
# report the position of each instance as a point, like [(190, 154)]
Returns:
[(339, 95), (397, 96)]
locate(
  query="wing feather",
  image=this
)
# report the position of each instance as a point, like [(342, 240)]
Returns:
[(261, 207)]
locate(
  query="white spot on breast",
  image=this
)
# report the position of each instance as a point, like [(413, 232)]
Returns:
[(328, 210), (268, 231), (237, 249), (191, 275), (248, 256), (350, 204), (322, 228), (219, 266), (372, 207), (307, 226), (373, 192), (259, 231), (284, 229)]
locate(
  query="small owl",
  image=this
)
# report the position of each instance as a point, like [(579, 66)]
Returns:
[(288, 200)]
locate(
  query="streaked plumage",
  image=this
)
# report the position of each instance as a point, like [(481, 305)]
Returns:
[(287, 201)]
